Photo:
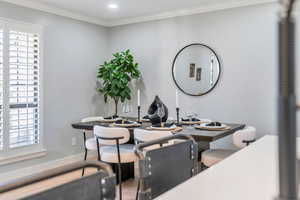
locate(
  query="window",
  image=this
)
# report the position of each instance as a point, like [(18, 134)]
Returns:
[(20, 83)]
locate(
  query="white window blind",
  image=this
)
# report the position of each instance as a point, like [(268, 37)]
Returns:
[(23, 89), (20, 83)]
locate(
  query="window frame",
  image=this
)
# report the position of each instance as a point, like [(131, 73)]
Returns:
[(10, 153)]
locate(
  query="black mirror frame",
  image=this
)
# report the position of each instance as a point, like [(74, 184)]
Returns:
[(173, 65)]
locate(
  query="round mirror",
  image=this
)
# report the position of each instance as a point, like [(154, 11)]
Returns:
[(196, 69)]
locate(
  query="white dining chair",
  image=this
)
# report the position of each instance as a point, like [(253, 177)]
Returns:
[(241, 139), (142, 135), (115, 149), (89, 143)]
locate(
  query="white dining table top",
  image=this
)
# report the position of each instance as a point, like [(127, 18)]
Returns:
[(251, 173)]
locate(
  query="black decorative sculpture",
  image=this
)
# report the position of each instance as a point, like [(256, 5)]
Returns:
[(156, 109)]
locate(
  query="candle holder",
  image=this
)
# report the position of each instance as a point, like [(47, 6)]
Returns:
[(177, 114), (139, 113)]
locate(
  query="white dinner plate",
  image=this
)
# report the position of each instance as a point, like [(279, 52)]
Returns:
[(201, 121), (133, 124), (110, 120)]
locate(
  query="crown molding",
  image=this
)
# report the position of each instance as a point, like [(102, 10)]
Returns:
[(112, 23), (57, 11), (186, 12)]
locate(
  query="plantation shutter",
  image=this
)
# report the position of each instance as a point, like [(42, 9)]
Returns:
[(24, 109)]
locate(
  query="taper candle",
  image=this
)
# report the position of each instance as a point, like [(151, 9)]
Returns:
[(177, 100), (139, 97)]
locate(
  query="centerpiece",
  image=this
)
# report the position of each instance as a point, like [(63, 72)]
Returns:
[(115, 76)]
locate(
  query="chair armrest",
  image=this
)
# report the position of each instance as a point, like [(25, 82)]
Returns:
[(109, 138), (139, 147), (21, 182), (137, 141)]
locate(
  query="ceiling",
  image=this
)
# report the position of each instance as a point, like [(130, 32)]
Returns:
[(130, 11)]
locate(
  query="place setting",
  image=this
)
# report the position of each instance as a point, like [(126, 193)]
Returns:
[(193, 119), (212, 126), (125, 122), (110, 119)]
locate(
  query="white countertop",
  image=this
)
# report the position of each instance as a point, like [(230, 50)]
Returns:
[(250, 174)]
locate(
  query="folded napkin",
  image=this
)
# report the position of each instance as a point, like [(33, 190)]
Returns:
[(188, 120), (123, 122), (214, 124), (146, 117), (111, 117), (166, 125)]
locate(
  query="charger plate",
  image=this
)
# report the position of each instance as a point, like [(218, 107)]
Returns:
[(172, 128), (109, 120), (134, 124)]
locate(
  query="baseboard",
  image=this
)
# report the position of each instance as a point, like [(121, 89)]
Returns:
[(43, 166)]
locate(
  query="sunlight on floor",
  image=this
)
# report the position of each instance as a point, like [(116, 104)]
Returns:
[(129, 187)]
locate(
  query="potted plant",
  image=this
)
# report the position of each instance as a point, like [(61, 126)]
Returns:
[(115, 76)]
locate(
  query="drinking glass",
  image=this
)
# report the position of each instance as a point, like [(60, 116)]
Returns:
[(190, 116), (161, 113), (126, 108)]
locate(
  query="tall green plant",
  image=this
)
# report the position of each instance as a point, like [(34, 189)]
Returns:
[(116, 75)]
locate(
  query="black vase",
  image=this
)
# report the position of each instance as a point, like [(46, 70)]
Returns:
[(153, 111)]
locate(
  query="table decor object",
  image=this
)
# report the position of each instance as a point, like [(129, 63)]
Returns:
[(139, 104), (177, 115), (115, 75), (158, 111), (139, 114), (177, 105), (126, 108)]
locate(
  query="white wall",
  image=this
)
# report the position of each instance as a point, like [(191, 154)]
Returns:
[(245, 41), (72, 50)]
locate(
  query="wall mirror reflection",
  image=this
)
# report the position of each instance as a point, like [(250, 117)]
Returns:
[(196, 69)]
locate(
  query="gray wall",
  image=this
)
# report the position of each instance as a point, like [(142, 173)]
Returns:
[(244, 39), (72, 50)]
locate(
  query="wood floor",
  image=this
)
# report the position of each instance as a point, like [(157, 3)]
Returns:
[(129, 187)]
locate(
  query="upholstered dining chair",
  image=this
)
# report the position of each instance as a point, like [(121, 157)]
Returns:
[(241, 139), (99, 185), (115, 149), (142, 136), (89, 144), (163, 168)]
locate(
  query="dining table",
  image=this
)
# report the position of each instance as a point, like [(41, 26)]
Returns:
[(248, 174), (202, 137)]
